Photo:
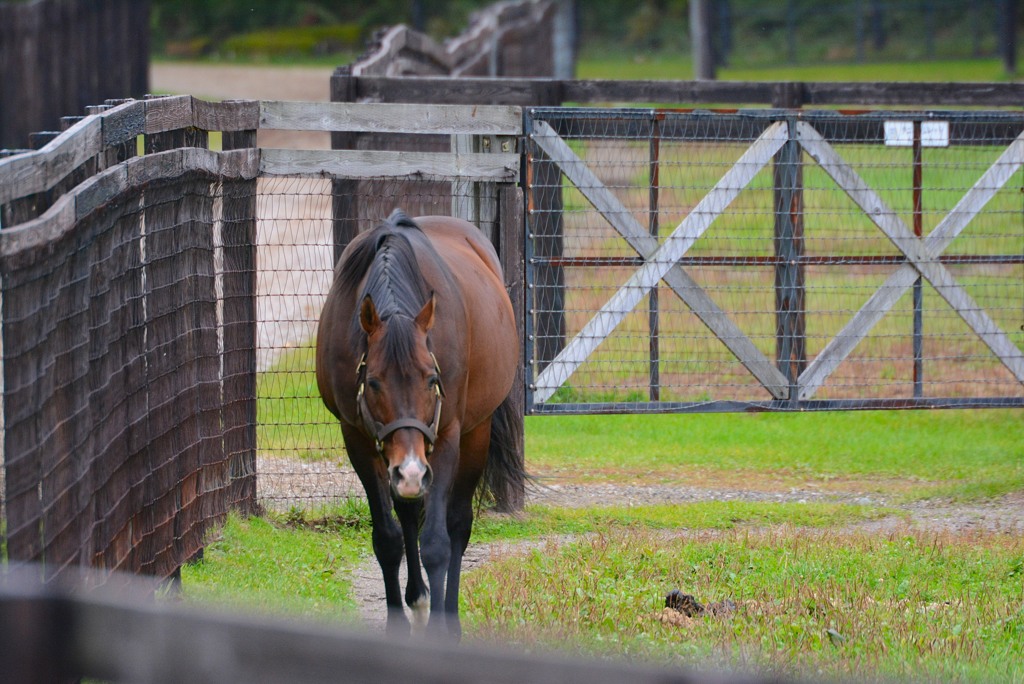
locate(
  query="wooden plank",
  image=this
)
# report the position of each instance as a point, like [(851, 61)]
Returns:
[(528, 92), (60, 218), (788, 243), (645, 245), (170, 113), (922, 254), (33, 172), (660, 262), (391, 118), (399, 40), (230, 115), (522, 92), (920, 94), (502, 167), (464, 203), (107, 635), (345, 193), (100, 189), (509, 241), (122, 126), (57, 220)]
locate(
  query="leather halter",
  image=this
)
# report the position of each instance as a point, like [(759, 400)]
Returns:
[(381, 432)]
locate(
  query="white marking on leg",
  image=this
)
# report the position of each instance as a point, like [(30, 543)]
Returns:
[(420, 614)]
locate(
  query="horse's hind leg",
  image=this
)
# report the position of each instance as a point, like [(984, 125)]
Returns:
[(460, 524), (460, 516), (417, 596)]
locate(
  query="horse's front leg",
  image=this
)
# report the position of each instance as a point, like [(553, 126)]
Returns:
[(387, 535), (435, 542), (416, 594)]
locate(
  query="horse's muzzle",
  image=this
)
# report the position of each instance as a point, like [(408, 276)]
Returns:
[(411, 479)]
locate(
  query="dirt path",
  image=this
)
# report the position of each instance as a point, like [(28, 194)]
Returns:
[(235, 82)]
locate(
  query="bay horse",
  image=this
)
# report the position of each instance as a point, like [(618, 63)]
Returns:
[(416, 353)]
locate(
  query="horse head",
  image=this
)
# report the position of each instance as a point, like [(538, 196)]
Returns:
[(400, 393)]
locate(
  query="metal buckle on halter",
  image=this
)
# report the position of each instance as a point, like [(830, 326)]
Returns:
[(361, 376)]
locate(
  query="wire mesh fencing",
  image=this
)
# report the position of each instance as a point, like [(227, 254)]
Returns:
[(765, 260), (123, 353), (302, 462)]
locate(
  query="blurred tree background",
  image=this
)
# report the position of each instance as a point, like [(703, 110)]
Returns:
[(745, 32)]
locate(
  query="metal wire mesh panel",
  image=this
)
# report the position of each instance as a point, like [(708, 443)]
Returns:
[(721, 261), (118, 365), (300, 453)]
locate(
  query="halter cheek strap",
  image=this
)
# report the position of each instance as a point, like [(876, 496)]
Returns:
[(381, 432)]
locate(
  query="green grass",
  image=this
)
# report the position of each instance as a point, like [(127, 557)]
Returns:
[(293, 420), (963, 453), (808, 604), (811, 600), (300, 562), (271, 565), (618, 65), (539, 521)]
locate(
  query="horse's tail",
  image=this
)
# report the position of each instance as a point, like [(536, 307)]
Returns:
[(505, 476)]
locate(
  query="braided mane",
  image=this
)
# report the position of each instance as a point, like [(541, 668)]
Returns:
[(386, 264)]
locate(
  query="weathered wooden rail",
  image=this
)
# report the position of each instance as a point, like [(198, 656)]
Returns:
[(540, 92), (118, 634)]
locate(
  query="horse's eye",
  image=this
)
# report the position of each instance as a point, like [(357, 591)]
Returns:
[(373, 384), (433, 381)]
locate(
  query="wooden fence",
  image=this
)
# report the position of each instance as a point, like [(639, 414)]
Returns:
[(58, 56), (118, 634), (128, 390), (506, 39), (129, 312), (545, 201)]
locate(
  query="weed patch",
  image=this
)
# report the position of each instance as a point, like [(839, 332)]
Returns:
[(806, 602)]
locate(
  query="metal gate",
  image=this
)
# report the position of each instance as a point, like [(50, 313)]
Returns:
[(773, 260)]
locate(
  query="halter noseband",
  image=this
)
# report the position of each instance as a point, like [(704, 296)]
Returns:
[(381, 432)]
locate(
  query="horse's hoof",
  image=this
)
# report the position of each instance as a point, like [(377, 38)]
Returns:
[(397, 624)]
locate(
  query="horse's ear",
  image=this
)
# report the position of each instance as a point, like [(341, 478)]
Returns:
[(425, 318), (368, 318)]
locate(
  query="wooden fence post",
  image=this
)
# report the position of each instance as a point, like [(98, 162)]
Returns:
[(510, 241), (344, 192), (238, 236), (790, 291)]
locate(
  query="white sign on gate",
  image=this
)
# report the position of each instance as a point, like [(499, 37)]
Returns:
[(901, 133)]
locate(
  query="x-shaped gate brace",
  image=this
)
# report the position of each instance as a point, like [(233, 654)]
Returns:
[(661, 261)]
